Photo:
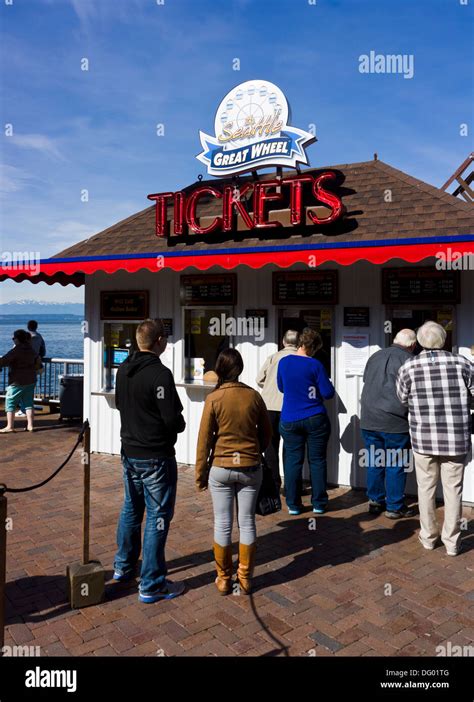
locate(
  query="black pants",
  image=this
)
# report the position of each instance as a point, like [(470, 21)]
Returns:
[(271, 453)]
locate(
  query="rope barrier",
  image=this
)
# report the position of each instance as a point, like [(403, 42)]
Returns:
[(4, 488)]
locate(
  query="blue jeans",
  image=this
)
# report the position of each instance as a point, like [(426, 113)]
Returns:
[(387, 463), (312, 432), (149, 483)]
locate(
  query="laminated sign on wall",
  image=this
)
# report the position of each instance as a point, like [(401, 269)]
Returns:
[(355, 348)]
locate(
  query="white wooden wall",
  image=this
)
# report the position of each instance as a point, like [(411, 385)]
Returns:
[(359, 285)]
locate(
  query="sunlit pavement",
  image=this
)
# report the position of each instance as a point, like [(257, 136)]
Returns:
[(344, 584)]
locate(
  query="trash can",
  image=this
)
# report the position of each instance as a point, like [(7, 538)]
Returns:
[(71, 395)]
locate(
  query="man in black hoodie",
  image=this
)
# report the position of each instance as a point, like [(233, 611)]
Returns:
[(151, 418)]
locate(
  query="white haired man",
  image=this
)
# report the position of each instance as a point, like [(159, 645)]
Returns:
[(273, 398), (384, 425), (437, 387)]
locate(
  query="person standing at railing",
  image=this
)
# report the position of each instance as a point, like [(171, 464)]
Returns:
[(23, 363), (37, 340), (39, 347)]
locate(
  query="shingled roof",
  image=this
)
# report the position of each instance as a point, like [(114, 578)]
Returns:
[(381, 203)]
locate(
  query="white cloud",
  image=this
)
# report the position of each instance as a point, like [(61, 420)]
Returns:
[(12, 178), (37, 142)]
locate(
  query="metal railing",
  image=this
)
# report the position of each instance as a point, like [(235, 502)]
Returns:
[(47, 383)]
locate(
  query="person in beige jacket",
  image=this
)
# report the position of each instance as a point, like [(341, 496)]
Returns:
[(273, 398), (235, 429)]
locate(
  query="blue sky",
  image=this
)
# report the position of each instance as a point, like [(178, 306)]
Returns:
[(172, 63)]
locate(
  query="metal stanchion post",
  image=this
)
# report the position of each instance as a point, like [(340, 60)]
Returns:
[(86, 579), (86, 506), (3, 565)]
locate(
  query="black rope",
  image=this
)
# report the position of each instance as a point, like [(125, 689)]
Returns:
[(4, 488)]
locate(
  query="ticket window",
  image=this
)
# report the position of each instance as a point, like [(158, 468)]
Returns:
[(204, 338), (402, 317), (319, 319), (119, 342)]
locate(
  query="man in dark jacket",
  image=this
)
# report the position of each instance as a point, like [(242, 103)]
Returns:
[(151, 418), (23, 362), (384, 424)]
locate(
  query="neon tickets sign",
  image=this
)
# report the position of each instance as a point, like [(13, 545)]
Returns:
[(252, 131), (249, 203)]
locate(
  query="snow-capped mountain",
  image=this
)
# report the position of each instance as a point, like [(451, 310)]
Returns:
[(40, 307)]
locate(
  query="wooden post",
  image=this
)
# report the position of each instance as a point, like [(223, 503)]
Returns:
[(86, 508), (3, 566), (87, 578)]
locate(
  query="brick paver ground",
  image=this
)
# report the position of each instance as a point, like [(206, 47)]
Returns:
[(355, 585)]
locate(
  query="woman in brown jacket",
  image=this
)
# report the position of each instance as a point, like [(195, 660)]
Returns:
[(235, 429)]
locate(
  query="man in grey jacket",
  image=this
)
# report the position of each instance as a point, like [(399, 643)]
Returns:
[(273, 398), (384, 425)]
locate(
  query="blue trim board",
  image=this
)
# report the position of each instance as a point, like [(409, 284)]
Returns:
[(412, 241)]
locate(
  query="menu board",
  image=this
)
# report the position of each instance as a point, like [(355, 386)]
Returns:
[(418, 285), (208, 289), (168, 325), (258, 314), (303, 287), (124, 304), (356, 316)]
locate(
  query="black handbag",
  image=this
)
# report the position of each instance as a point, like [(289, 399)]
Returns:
[(268, 501)]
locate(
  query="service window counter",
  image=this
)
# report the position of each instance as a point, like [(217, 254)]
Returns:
[(208, 302), (121, 311), (307, 299), (118, 342), (414, 296)]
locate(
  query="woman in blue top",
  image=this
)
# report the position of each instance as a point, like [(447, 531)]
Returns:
[(304, 421)]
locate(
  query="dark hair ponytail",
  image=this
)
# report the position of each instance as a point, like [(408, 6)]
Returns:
[(229, 366)]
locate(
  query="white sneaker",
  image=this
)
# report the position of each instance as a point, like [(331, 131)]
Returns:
[(429, 547), (20, 413)]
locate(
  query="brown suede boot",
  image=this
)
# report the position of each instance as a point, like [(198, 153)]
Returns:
[(246, 565), (223, 559)]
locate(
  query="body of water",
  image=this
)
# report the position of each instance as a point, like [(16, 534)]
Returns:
[(62, 335)]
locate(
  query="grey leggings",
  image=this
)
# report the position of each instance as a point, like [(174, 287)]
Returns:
[(227, 484)]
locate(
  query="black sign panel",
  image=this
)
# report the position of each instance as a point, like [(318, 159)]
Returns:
[(318, 287), (356, 316), (168, 325), (209, 289), (124, 304), (418, 285), (259, 314)]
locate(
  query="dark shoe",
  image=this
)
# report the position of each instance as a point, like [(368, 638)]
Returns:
[(168, 592), (400, 513), (376, 507)]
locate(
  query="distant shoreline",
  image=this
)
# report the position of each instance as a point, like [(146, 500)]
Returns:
[(56, 318)]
